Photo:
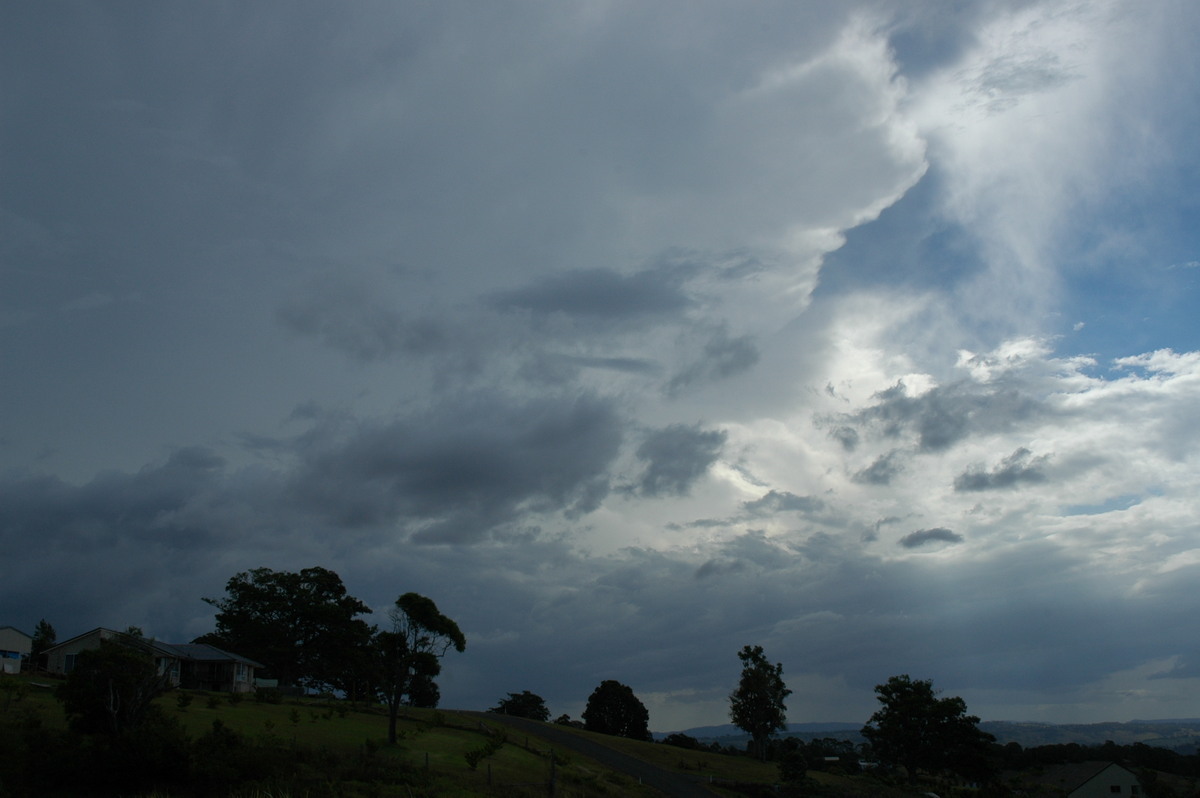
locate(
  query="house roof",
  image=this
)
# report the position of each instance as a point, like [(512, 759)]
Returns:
[(1073, 775), (203, 652), (200, 652), (18, 631), (104, 633)]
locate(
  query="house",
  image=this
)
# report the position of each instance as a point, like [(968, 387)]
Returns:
[(206, 667), (192, 666), (1085, 780), (15, 646), (60, 658)]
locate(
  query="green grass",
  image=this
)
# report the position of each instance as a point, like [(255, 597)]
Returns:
[(433, 741)]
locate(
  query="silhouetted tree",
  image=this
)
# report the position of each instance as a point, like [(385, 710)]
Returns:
[(523, 705), (409, 656), (920, 731), (301, 626), (612, 708), (44, 637), (756, 706), (111, 688)]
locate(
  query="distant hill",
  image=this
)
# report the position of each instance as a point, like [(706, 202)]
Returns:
[(728, 734), (1181, 734)]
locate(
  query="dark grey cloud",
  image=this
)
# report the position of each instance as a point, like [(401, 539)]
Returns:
[(461, 471), (846, 436), (945, 415), (923, 537), (880, 472), (1019, 467), (146, 505), (349, 317), (723, 356), (133, 548), (781, 502), (713, 568), (675, 457), (557, 369), (602, 295)]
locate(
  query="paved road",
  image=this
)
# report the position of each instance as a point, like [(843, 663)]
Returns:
[(671, 784)]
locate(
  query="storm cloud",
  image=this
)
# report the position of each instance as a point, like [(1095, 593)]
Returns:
[(855, 330), (460, 472), (675, 457)]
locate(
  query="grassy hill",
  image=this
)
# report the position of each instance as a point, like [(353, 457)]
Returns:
[(313, 748)]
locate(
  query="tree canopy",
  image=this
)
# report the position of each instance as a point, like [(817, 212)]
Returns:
[(523, 705), (612, 708), (917, 730), (301, 626), (408, 657), (756, 706)]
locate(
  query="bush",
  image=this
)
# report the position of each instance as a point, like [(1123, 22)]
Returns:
[(111, 689), (792, 767), (268, 695)]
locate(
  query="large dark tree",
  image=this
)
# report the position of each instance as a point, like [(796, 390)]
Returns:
[(756, 706), (523, 705), (111, 688), (612, 708), (917, 730), (408, 657), (301, 626)]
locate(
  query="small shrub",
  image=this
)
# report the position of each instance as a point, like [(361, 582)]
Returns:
[(234, 699), (473, 757), (268, 695), (183, 701), (213, 702)]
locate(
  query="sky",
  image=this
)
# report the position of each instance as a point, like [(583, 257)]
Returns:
[(630, 333)]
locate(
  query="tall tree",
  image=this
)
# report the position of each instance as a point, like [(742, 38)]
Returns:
[(301, 626), (917, 730), (523, 705), (756, 706), (612, 708), (408, 657), (44, 637)]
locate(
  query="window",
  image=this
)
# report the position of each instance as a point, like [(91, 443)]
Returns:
[(1115, 788), (68, 663)]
